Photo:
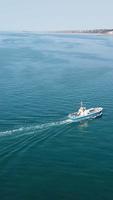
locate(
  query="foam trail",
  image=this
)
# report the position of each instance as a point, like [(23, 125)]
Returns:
[(37, 127)]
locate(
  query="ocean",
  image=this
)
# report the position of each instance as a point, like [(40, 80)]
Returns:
[(43, 78)]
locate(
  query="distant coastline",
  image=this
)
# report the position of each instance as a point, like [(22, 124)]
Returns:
[(93, 31), (87, 31)]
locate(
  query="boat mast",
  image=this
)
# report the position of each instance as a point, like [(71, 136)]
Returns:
[(81, 104)]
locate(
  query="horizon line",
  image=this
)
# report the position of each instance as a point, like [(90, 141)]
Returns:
[(58, 30)]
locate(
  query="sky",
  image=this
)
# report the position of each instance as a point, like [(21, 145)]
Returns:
[(51, 15)]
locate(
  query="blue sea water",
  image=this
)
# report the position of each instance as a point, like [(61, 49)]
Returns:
[(43, 78)]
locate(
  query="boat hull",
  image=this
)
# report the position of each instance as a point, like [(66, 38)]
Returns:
[(85, 117)]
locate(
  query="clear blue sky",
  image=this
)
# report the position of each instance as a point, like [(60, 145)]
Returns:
[(40, 15)]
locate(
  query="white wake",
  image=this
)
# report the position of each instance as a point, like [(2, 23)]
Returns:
[(36, 127)]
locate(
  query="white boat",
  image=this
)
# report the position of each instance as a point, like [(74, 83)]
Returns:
[(83, 113)]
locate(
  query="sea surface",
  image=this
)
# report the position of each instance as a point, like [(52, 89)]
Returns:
[(43, 78)]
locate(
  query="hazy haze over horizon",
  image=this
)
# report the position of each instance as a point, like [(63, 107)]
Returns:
[(40, 15)]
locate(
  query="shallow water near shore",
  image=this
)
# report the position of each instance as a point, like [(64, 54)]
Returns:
[(43, 155)]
